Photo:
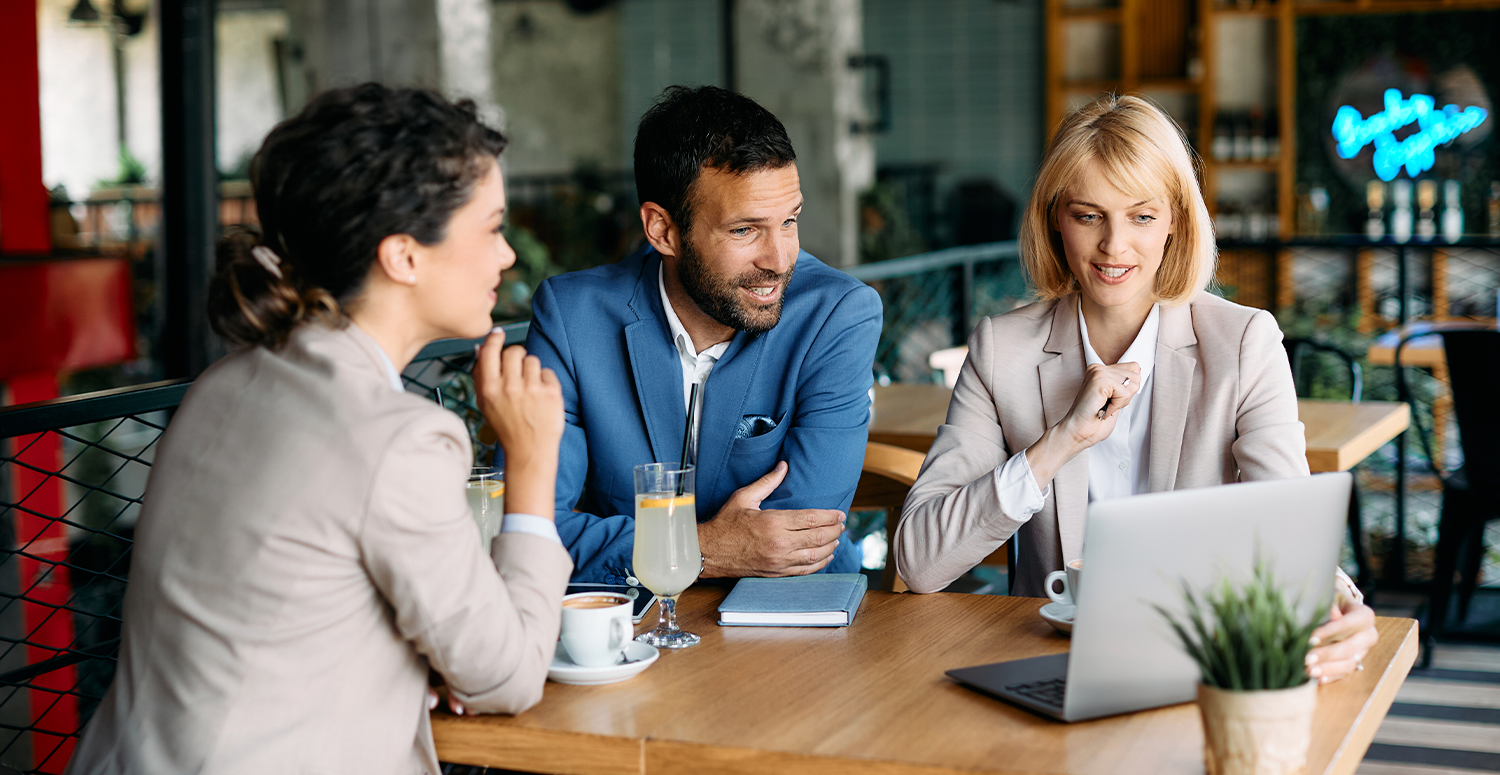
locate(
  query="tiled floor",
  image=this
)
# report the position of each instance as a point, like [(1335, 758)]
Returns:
[(1446, 719)]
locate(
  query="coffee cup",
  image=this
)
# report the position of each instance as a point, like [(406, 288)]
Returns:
[(596, 627), (1068, 579)]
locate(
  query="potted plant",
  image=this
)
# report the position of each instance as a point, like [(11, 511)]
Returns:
[(1255, 697)]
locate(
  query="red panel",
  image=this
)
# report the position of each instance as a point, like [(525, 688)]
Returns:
[(23, 197), (62, 316), (46, 587)]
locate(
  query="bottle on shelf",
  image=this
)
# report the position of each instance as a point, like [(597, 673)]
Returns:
[(1241, 135), (1401, 210), (1273, 136), (1427, 204), (1257, 223), (1257, 119), (1453, 212), (1375, 200), (1312, 210), (1223, 143)]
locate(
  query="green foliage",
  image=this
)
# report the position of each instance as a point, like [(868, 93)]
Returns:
[(885, 230), (132, 171), (1245, 639), (533, 265)]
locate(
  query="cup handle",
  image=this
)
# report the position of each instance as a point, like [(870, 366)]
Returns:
[(619, 634), (1066, 596)]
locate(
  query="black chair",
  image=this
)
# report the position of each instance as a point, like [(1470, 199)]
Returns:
[(1471, 491), (1306, 375)]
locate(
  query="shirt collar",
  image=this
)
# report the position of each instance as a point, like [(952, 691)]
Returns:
[(385, 362), (680, 337), (1141, 351)]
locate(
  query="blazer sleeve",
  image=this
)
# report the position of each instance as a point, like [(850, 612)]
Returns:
[(491, 635), (596, 543), (1270, 442), (825, 447), (955, 515)]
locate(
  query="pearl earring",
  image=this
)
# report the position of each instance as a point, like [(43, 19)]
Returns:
[(411, 279)]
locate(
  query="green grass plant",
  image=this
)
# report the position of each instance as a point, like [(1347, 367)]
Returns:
[(1246, 639)]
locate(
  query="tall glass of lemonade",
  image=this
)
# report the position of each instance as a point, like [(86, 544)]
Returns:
[(486, 493), (666, 559)]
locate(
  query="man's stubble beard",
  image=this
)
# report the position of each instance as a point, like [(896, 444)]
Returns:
[(718, 296)]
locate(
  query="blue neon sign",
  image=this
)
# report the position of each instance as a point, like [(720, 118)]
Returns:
[(1353, 132)]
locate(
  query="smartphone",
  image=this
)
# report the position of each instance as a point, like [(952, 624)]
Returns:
[(642, 596)]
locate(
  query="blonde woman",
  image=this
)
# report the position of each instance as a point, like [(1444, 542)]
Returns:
[(1195, 390)]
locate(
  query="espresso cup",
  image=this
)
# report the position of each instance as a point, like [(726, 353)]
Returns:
[(1069, 581), (596, 627)]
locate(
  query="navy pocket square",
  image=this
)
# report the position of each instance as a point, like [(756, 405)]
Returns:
[(752, 425)]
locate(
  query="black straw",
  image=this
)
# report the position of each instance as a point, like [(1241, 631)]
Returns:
[(687, 435)]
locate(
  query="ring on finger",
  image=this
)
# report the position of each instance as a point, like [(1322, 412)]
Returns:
[(1126, 383)]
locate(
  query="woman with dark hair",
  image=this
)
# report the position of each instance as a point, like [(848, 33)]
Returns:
[(305, 552)]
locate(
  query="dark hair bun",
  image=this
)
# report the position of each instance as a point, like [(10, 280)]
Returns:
[(250, 304)]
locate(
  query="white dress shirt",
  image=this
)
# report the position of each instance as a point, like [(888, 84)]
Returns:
[(696, 366), (515, 522), (1120, 464)]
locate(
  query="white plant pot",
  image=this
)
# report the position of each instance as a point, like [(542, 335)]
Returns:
[(1256, 733)]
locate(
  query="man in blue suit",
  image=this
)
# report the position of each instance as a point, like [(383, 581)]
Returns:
[(781, 345)]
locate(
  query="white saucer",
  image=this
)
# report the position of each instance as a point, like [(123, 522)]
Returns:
[(1059, 616), (563, 671)]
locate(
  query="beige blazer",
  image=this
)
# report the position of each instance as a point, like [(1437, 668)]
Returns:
[(1223, 409), (304, 553)]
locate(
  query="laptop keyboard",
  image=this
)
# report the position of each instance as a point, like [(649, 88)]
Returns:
[(1048, 692)]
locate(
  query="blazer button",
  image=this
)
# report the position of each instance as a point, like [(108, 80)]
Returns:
[(632, 581)]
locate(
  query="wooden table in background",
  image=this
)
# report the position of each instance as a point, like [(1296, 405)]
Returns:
[(1339, 433), (873, 698)]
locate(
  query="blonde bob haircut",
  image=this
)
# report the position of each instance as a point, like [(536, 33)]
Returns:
[(1143, 153)]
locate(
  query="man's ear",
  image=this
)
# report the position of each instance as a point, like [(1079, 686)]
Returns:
[(398, 258), (661, 231)]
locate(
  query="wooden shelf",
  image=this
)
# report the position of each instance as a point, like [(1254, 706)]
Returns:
[(1091, 84), (1186, 85), (1263, 11), (1091, 14), (1266, 165)]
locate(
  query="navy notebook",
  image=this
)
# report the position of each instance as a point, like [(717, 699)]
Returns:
[(819, 600)]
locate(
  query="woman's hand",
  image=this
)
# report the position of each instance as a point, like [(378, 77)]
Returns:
[(1106, 390), (1341, 643), (523, 403)]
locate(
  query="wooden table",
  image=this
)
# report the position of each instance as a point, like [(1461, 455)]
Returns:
[(1339, 433), (872, 698)]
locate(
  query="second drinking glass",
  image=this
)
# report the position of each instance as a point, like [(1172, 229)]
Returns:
[(667, 559)]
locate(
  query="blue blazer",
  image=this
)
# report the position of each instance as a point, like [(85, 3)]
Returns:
[(604, 332)]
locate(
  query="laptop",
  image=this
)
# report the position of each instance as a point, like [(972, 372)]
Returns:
[(1136, 550)]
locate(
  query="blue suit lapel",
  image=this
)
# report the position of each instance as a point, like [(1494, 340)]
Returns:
[(656, 368)]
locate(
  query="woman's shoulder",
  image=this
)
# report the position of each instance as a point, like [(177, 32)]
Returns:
[(1208, 306), (1233, 330), (1016, 337), (1033, 318)]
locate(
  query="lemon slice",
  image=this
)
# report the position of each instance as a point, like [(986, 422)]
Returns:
[(492, 488), (656, 503)]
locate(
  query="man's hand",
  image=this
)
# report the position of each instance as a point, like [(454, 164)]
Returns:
[(743, 540)]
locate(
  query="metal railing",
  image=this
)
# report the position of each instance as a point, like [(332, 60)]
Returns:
[(73, 472), (933, 300)]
